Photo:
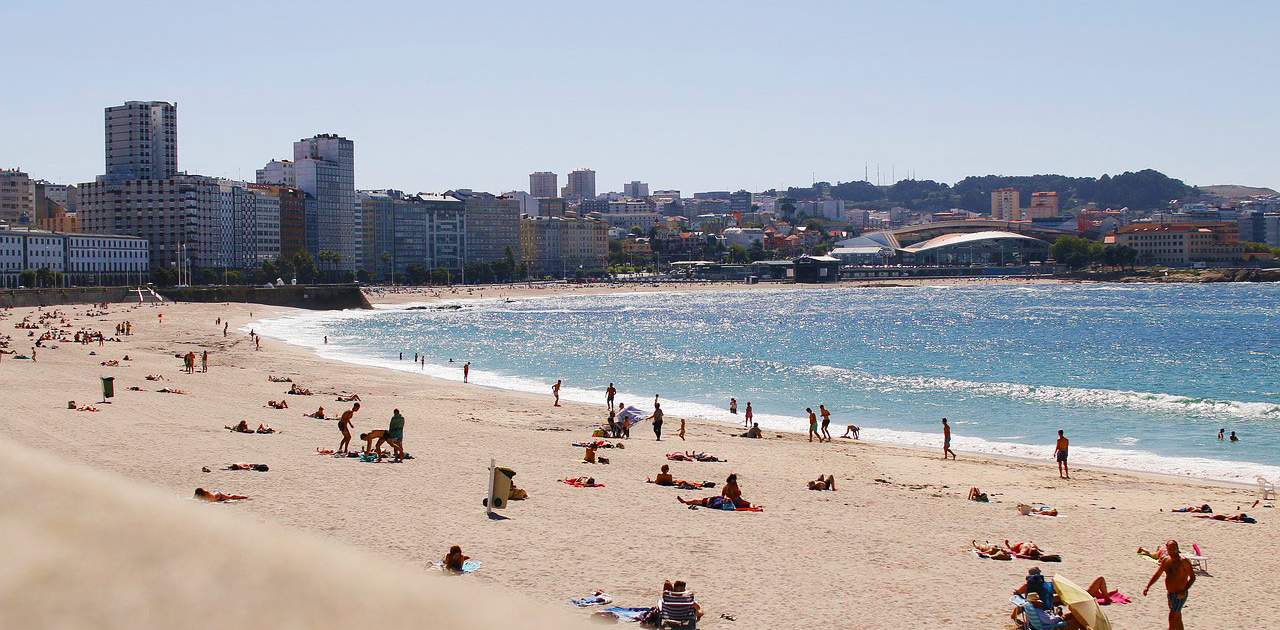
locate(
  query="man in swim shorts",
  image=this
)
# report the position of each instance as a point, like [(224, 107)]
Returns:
[(1060, 454), (1178, 578), (344, 425), (946, 440)]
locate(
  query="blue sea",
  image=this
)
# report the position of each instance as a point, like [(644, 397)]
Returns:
[(1139, 376)]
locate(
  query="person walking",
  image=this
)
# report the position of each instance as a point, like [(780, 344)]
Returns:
[(749, 415), (946, 440), (1178, 578), (466, 372), (826, 420), (813, 425), (1060, 454), (555, 391), (656, 417)]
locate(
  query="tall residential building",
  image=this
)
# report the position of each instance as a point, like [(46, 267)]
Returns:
[(543, 184), (493, 226), (142, 140), (292, 221), (426, 230), (1260, 227), (581, 185), (1004, 204), (250, 223), (635, 190), (278, 172), (1043, 205), (324, 169), (16, 202), (563, 246), (180, 216)]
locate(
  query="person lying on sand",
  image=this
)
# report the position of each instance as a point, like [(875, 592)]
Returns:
[(282, 404), (977, 495), (1195, 509), (583, 482), (1039, 510), (823, 483), (254, 467), (299, 391), (318, 414), (351, 398), (730, 494), (454, 560), (1238, 517), (243, 427), (170, 390), (263, 428), (217, 497), (279, 379), (1030, 551), (155, 377), (1159, 553), (992, 551), (753, 433)]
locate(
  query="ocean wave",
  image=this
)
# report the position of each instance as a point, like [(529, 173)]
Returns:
[(1064, 396)]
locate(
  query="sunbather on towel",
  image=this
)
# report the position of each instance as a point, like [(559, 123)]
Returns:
[(664, 477), (977, 495), (283, 404), (217, 497), (590, 456), (263, 428), (1024, 549), (243, 427), (1194, 509), (583, 482), (1039, 510), (992, 551), (733, 493), (454, 560), (318, 414), (1238, 517), (1159, 553), (351, 398), (255, 467), (753, 433), (1102, 594)]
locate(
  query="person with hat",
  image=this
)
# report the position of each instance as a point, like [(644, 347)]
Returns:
[(1038, 615)]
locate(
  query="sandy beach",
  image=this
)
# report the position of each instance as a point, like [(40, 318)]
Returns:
[(889, 549)]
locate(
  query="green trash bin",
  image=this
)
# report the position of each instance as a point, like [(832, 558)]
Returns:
[(108, 387)]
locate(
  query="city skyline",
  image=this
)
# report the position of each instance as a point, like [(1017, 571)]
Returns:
[(730, 100)]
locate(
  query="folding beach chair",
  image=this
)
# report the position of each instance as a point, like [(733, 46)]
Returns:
[(676, 610), (1199, 561)]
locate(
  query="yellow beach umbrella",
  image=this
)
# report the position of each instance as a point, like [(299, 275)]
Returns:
[(1081, 604)]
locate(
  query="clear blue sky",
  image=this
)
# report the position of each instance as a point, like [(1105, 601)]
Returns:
[(694, 95)]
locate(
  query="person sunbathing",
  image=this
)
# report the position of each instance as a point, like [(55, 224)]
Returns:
[(318, 414), (590, 456), (1158, 554), (1238, 517), (279, 379), (217, 497), (851, 431), (714, 502), (111, 363), (454, 560), (753, 433), (992, 551), (1195, 509), (262, 428), (823, 483), (155, 377), (1030, 551), (255, 467), (586, 482), (664, 477), (299, 391), (1039, 510), (351, 398), (733, 493), (977, 495), (243, 427), (170, 390), (282, 404)]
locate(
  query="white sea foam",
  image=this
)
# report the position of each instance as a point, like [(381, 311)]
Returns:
[(309, 330)]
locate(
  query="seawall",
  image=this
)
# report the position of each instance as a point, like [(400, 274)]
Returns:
[(317, 297)]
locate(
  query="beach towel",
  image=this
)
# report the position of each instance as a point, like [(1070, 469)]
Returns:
[(1114, 597), (468, 566), (577, 483), (987, 556), (625, 614), (629, 417), (599, 598), (1044, 557)]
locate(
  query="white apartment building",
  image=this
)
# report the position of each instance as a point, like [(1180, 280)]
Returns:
[(278, 172), (83, 259), (142, 140)]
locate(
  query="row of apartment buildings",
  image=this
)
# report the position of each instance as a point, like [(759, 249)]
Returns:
[(81, 259)]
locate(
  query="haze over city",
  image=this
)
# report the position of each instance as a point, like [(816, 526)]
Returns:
[(688, 96)]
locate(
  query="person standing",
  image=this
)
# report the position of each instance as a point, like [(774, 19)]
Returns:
[(946, 440), (813, 424), (623, 421), (749, 415), (204, 361), (466, 371), (656, 417), (555, 391), (733, 406), (1060, 454), (826, 420), (609, 393), (681, 432), (345, 425), (395, 434), (1178, 578), (257, 343), (224, 329)]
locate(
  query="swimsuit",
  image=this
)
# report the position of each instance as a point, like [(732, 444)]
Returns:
[(1062, 455), (1177, 601)]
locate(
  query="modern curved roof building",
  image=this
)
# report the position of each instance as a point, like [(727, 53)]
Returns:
[(986, 247)]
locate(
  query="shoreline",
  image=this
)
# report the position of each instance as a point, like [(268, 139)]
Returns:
[(898, 521), (696, 412)]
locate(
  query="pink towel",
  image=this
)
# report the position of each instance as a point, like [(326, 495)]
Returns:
[(1114, 597)]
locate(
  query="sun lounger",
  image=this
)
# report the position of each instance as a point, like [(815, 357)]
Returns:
[(1199, 561)]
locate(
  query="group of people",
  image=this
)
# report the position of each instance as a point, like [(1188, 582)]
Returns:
[(393, 435), (1222, 436)]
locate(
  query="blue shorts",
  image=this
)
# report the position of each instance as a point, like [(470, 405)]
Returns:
[(1177, 601)]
